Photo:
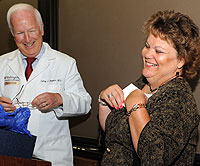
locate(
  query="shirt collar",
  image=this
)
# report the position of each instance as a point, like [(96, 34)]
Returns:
[(38, 56)]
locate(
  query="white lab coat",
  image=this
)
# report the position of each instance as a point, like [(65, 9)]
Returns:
[(55, 72)]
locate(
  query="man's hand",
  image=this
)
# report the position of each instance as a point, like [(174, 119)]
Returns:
[(46, 101), (7, 104)]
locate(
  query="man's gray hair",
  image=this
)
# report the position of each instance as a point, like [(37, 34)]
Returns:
[(22, 7)]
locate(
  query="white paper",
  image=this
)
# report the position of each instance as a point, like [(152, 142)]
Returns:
[(130, 88), (127, 90)]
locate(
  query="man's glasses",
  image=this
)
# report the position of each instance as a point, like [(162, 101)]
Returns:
[(18, 103)]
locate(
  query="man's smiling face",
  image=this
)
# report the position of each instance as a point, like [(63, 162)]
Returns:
[(27, 32)]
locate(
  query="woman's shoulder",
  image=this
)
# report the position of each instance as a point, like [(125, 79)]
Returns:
[(177, 85), (174, 94)]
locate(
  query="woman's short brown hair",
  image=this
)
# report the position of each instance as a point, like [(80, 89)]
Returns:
[(182, 32)]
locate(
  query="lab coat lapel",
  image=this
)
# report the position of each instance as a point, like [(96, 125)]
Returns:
[(42, 65), (16, 65)]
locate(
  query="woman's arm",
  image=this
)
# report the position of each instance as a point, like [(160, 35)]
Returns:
[(103, 113), (139, 116)]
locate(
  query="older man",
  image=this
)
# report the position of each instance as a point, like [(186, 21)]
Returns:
[(45, 80)]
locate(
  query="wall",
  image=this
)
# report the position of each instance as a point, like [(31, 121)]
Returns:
[(105, 38)]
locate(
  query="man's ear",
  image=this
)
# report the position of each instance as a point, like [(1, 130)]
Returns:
[(42, 30)]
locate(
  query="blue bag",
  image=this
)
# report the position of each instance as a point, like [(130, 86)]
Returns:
[(16, 121)]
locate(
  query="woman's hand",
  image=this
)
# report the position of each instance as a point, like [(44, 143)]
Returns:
[(113, 95)]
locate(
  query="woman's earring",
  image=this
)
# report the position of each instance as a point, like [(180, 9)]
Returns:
[(177, 74)]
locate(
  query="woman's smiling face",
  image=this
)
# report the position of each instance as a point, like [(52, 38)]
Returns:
[(160, 60)]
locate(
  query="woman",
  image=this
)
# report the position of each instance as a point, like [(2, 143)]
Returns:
[(161, 129)]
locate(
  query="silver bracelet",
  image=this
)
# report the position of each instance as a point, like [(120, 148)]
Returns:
[(101, 102)]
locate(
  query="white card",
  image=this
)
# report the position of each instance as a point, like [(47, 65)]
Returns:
[(130, 88)]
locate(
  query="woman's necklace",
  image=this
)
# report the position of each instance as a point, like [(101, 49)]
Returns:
[(154, 90)]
